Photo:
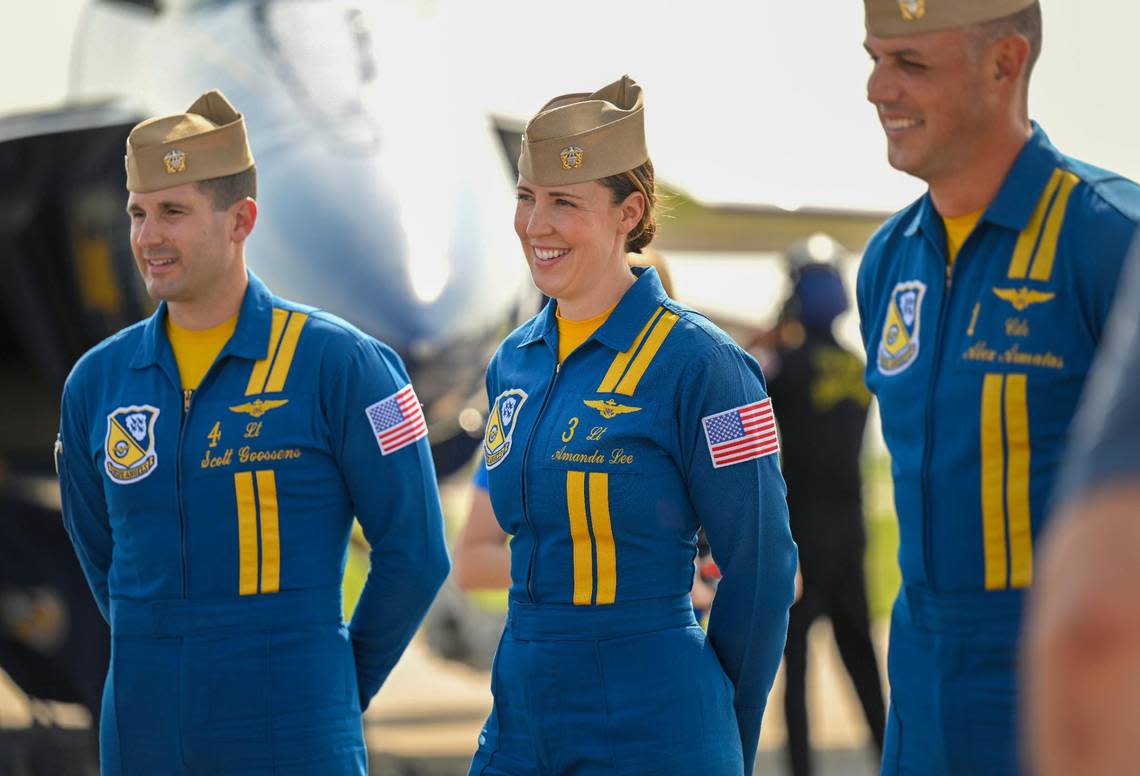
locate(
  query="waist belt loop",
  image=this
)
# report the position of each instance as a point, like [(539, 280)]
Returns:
[(963, 611), (177, 618), (566, 622)]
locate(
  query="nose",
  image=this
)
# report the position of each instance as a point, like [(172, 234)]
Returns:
[(147, 232), (538, 224), (881, 85)]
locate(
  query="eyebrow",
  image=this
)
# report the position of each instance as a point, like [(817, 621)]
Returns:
[(564, 194), (904, 52), (164, 205)]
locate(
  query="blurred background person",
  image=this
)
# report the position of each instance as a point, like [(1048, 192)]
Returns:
[(821, 405), (1083, 631)]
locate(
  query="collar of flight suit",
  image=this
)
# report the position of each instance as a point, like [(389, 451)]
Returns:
[(249, 340), (625, 322), (1016, 199)]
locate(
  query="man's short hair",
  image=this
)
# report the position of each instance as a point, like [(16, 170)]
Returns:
[(228, 189), (1026, 23)]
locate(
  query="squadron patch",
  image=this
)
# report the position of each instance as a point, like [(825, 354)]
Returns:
[(129, 447), (899, 346), (501, 426)]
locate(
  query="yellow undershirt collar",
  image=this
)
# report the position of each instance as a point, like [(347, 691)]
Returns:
[(571, 334), (958, 229), (196, 351)]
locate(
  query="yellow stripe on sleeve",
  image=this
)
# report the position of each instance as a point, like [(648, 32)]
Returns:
[(660, 331), (260, 371), (993, 475), (247, 533), (1017, 487), (284, 358), (603, 536), (270, 535), (1043, 265), (1027, 240), (621, 360), (580, 535)]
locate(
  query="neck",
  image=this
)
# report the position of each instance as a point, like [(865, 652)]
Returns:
[(973, 187), (602, 296), (219, 305)]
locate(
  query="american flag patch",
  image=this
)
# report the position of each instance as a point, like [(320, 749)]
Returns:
[(397, 421), (741, 434)]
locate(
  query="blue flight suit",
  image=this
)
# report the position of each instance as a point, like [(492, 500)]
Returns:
[(600, 470), (1106, 433), (214, 538), (978, 373)]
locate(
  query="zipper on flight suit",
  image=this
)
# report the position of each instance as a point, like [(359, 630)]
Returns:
[(522, 484), (187, 405), (927, 562)]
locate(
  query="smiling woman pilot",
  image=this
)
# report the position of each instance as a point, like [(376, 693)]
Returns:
[(621, 423)]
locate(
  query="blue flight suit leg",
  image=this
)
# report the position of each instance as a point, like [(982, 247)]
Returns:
[(952, 665), (617, 691)]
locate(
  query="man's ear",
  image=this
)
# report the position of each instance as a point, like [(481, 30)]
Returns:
[(1011, 56), (244, 218)]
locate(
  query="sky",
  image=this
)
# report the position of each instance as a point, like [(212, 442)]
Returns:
[(759, 102)]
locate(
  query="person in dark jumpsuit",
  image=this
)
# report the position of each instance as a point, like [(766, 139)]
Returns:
[(818, 386)]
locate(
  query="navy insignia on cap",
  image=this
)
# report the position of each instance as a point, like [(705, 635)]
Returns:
[(175, 161), (129, 447), (912, 10), (571, 157), (899, 346)]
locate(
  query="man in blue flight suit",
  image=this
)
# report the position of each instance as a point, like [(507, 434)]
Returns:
[(211, 460), (982, 305)]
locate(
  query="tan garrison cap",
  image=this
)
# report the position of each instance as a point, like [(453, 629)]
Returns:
[(895, 18), (207, 141), (584, 137)]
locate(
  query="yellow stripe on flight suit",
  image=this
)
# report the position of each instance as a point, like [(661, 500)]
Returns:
[(270, 534), (284, 360), (1042, 268), (621, 360), (590, 531), (644, 358), (603, 536), (580, 536), (247, 533), (257, 506), (260, 372), (1005, 482), (269, 373), (1017, 481), (993, 481), (1037, 243)]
